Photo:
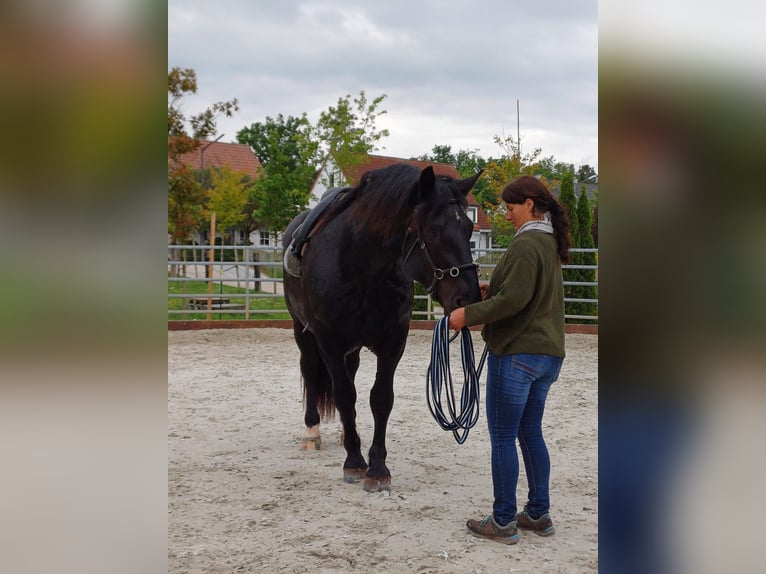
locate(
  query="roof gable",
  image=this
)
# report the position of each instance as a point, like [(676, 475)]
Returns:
[(239, 157)]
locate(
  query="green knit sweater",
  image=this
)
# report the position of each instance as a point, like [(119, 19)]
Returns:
[(524, 311)]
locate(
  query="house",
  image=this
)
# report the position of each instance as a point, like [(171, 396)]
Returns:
[(332, 176), (239, 158)]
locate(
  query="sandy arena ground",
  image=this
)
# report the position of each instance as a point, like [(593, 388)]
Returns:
[(242, 497)]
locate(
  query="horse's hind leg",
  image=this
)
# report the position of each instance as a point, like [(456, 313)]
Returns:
[(352, 366), (317, 395)]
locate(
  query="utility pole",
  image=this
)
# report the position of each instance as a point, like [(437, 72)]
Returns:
[(518, 129)]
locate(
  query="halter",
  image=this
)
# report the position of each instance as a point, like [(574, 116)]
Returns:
[(438, 273)]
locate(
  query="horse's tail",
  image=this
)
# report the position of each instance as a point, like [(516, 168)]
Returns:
[(322, 393), (315, 378)]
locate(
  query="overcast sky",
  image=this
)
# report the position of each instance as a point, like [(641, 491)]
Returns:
[(452, 70)]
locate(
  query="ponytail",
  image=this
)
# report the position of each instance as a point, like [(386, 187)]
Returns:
[(560, 229)]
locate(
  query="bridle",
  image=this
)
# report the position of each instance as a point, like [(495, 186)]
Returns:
[(438, 273)]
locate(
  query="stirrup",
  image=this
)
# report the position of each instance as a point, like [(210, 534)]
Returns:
[(290, 262)]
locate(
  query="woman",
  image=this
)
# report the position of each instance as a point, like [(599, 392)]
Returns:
[(523, 317)]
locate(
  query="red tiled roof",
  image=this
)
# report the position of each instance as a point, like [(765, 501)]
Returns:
[(239, 157), (448, 169), (380, 161)]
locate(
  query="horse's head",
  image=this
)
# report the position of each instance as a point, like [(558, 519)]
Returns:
[(438, 250)]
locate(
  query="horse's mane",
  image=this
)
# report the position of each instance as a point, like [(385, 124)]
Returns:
[(384, 199)]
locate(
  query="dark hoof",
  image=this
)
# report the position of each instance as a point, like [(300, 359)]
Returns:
[(352, 475), (372, 484)]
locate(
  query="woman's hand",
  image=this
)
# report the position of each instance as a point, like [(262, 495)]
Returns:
[(457, 319), (484, 288)]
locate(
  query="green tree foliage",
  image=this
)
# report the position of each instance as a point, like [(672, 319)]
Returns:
[(586, 174), (281, 142), (594, 227), (347, 133), (502, 230), (568, 201), (511, 164), (552, 170), (185, 202), (185, 194), (286, 150), (227, 198), (584, 240), (497, 174), (181, 140), (276, 201)]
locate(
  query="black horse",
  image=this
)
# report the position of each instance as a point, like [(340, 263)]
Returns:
[(355, 289)]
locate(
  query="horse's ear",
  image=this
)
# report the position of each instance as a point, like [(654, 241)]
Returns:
[(427, 183), (467, 184)]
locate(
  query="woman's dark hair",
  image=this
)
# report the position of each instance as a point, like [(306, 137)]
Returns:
[(528, 187)]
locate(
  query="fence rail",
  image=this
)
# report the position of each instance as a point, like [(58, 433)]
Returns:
[(245, 282)]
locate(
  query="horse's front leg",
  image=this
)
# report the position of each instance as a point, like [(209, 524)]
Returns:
[(381, 402), (344, 394)]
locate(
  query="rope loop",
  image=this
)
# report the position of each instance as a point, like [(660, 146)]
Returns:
[(439, 382)]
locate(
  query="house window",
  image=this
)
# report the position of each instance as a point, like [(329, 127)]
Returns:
[(473, 214), (265, 238)]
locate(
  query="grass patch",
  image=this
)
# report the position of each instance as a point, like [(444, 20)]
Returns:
[(261, 305)]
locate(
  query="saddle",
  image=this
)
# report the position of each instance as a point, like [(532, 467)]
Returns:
[(294, 251)]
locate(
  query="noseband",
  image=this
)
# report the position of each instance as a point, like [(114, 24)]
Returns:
[(438, 273)]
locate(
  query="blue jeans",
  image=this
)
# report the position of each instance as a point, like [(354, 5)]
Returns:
[(517, 386)]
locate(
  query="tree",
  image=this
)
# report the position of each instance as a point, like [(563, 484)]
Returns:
[(553, 170), (510, 165), (497, 174), (347, 133), (281, 141), (185, 199), (568, 202), (594, 227), (185, 194), (440, 154), (584, 240), (275, 201), (586, 174), (286, 150), (227, 199)]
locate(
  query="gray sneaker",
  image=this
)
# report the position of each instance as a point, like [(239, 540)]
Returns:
[(542, 526), (488, 528)]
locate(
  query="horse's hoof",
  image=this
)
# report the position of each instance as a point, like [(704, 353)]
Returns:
[(372, 484), (311, 444), (352, 475)]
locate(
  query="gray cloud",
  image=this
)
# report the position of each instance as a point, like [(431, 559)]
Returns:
[(452, 71)]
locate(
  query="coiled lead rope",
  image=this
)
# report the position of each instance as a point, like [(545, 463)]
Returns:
[(439, 381)]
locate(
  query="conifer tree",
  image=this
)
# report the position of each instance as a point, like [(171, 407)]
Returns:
[(585, 240), (568, 201)]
